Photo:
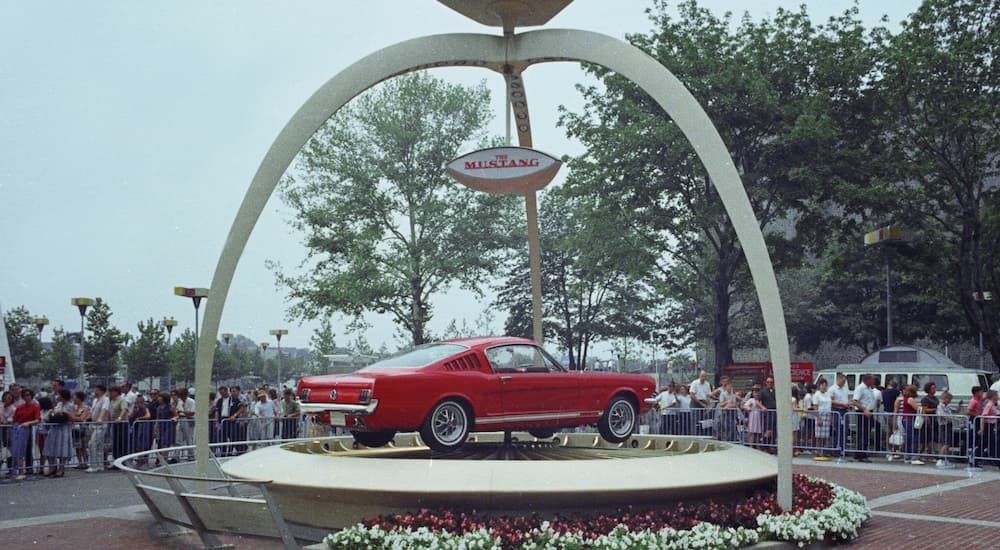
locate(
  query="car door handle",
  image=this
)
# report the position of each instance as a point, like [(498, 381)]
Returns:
[(504, 379)]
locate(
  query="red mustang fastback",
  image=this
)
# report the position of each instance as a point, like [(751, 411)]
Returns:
[(446, 390)]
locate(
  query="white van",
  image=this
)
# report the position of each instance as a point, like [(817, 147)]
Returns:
[(913, 365)]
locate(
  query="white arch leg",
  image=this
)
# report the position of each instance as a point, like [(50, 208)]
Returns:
[(532, 47)]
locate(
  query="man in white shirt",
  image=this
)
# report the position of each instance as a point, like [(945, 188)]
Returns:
[(129, 394), (99, 411), (840, 397), (700, 389), (667, 402), (864, 401), (185, 422)]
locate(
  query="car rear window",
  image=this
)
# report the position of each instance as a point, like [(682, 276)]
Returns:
[(420, 356)]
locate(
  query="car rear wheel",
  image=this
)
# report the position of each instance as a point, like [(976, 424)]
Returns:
[(374, 439), (618, 421), (447, 426)]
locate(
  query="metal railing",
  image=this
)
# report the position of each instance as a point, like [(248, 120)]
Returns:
[(94, 445), (950, 440)]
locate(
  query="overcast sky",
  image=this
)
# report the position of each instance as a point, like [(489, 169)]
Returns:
[(129, 132)]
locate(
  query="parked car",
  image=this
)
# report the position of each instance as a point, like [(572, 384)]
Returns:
[(446, 390)]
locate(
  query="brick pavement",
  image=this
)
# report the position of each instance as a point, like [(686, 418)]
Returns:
[(919, 506), (913, 507)]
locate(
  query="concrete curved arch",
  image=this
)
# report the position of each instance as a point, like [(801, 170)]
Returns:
[(492, 51)]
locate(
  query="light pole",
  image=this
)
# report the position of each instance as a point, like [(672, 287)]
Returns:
[(40, 323), (168, 324), (885, 236), (196, 295), (982, 298), (278, 333), (226, 337), (82, 304)]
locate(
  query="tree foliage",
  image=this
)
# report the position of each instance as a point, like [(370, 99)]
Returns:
[(786, 97), (323, 342), (939, 96), (22, 337), (103, 341), (385, 227), (61, 360), (180, 356), (590, 291), (146, 356)]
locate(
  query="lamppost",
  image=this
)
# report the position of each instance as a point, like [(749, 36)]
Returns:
[(196, 294), (82, 304), (278, 333), (982, 298), (226, 337), (885, 236), (169, 324), (40, 323)]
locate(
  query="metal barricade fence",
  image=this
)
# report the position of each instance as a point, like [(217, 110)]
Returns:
[(985, 443), (96, 444), (948, 439), (942, 438)]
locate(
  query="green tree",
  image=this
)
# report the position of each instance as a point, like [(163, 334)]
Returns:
[(385, 227), (146, 356), (786, 97), (22, 336), (61, 359), (939, 93), (589, 288), (323, 342), (224, 362), (180, 357), (103, 341)]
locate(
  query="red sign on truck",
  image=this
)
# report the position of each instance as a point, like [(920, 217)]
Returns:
[(802, 371)]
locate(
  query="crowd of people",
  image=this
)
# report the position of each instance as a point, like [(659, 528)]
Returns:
[(47, 432), (44, 433), (892, 421)]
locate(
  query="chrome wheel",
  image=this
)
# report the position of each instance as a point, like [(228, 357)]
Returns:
[(618, 421), (447, 427)]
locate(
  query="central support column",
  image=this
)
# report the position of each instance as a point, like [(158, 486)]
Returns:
[(517, 102)]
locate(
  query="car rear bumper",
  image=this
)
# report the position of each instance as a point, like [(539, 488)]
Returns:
[(345, 408)]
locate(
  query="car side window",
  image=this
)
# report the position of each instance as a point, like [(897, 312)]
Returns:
[(518, 358), (501, 359)]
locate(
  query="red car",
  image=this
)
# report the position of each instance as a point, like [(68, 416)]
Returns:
[(448, 389)]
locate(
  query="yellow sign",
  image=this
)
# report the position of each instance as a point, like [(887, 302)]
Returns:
[(887, 233)]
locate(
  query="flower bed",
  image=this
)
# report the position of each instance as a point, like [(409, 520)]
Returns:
[(820, 511)]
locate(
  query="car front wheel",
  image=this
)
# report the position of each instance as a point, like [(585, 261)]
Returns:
[(447, 426), (374, 439), (618, 421)]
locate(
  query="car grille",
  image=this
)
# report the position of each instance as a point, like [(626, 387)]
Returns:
[(465, 362)]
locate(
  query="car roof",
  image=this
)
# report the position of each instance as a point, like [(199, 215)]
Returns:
[(480, 342), (893, 368)]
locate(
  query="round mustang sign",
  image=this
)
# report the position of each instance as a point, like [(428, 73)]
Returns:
[(504, 169)]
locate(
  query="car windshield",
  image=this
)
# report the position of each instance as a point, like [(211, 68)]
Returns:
[(420, 356)]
